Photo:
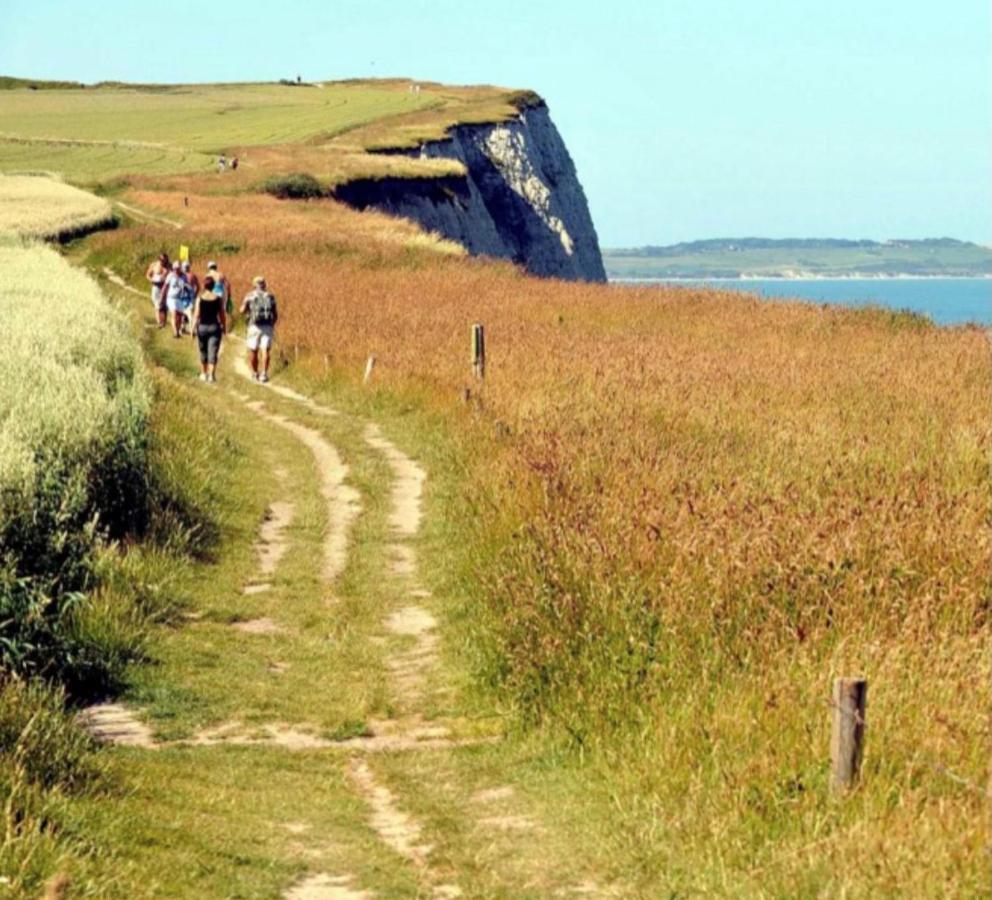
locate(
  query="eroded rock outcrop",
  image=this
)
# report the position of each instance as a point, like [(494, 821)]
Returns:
[(520, 199)]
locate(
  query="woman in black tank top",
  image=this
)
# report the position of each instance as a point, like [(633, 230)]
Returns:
[(209, 325)]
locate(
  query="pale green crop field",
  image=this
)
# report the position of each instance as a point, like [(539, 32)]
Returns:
[(177, 129), (208, 118), (88, 163)]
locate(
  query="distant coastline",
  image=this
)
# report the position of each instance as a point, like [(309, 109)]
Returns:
[(856, 276), (801, 259)]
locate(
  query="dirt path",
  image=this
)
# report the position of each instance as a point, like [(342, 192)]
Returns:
[(341, 499), (401, 815)]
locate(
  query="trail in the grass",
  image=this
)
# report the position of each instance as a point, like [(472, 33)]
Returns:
[(410, 644)]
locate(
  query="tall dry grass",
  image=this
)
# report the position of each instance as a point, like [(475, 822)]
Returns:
[(695, 510)]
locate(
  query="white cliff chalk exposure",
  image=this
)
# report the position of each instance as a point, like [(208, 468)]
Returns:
[(520, 198), (507, 150)]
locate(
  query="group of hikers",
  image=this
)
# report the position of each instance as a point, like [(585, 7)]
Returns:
[(205, 311)]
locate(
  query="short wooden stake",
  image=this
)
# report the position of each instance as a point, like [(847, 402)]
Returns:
[(479, 351), (296, 352), (848, 735), (369, 366)]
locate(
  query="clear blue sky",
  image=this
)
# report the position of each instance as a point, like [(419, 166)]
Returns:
[(686, 118)]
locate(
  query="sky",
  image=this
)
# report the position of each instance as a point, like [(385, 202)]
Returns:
[(686, 118)]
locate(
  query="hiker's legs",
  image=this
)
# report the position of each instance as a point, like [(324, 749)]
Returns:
[(265, 347), (177, 322), (213, 348), (253, 360), (158, 304)]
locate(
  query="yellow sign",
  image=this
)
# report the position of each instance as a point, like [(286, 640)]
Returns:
[(183, 253)]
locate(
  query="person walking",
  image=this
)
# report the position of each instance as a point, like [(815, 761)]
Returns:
[(156, 274), (209, 326), (260, 307), (190, 294), (176, 288), (222, 287)]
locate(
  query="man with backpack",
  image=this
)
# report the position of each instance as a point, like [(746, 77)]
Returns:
[(260, 307)]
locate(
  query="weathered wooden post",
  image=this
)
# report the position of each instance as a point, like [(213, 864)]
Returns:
[(369, 366), (479, 350), (848, 734)]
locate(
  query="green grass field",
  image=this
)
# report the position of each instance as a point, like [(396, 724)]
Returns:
[(90, 163), (210, 118), (96, 134)]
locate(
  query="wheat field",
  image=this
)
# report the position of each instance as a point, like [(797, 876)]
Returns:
[(34, 206)]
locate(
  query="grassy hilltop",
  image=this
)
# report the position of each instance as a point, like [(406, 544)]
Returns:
[(653, 535), (94, 134)]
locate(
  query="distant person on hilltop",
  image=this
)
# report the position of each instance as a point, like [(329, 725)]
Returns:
[(157, 272), (209, 326), (260, 307)]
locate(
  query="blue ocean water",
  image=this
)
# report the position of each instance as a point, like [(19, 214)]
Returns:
[(948, 301)]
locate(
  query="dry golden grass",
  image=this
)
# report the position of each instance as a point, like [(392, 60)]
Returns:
[(459, 106), (702, 507)]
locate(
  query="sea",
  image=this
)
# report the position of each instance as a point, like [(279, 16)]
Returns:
[(947, 301)]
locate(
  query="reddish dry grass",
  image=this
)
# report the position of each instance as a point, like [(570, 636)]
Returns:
[(718, 498)]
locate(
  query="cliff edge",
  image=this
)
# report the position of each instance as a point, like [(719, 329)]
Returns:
[(520, 198)]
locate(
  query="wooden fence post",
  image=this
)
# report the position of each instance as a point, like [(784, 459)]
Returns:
[(848, 734), (479, 351), (369, 366)]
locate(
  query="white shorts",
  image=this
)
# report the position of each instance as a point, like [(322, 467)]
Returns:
[(259, 336)]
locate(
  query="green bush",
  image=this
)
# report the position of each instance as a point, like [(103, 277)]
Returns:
[(298, 186)]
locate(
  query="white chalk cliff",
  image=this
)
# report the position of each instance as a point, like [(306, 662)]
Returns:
[(520, 199)]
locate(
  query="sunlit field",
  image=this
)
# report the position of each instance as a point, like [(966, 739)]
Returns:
[(42, 207), (91, 135), (681, 512), (692, 510)]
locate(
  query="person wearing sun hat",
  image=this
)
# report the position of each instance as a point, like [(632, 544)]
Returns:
[(260, 307)]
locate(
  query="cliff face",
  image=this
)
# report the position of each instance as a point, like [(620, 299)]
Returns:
[(520, 200)]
